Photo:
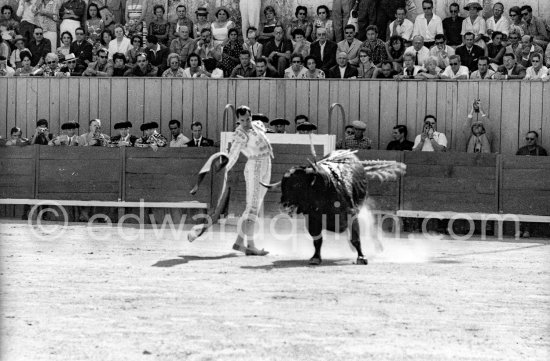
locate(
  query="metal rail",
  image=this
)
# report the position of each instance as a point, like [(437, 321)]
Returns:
[(225, 113), (330, 111)]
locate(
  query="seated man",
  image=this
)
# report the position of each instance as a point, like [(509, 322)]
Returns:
[(526, 51), (532, 148), (409, 69), (385, 71), (324, 51), (81, 48), (400, 141), (419, 51), (71, 67), (534, 27), (306, 128), (452, 26), (68, 136), (469, 52), (455, 70), (205, 47), (245, 69), (41, 134), (16, 138), (101, 67), (350, 45), (442, 51), (262, 71), (280, 125), (483, 71), (430, 140), (401, 25), (198, 140), (177, 139), (343, 70), (300, 119), (157, 54), (358, 141), (278, 51), (510, 70), (152, 138), (537, 71), (124, 138)]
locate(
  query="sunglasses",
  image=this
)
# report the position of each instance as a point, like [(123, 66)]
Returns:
[(524, 14), (349, 132), (535, 61), (71, 61), (301, 13), (79, 33), (454, 11), (103, 56), (348, 33), (322, 12), (527, 138), (51, 62), (427, 8), (297, 62), (172, 128), (513, 15), (439, 42), (453, 63), (513, 38), (37, 34)]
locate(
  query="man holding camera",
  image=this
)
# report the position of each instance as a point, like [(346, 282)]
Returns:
[(41, 134), (430, 140)]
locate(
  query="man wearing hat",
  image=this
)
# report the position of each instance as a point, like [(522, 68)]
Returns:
[(279, 124), (152, 138), (358, 140), (124, 139), (68, 136), (15, 59), (41, 134), (306, 128), (71, 67)]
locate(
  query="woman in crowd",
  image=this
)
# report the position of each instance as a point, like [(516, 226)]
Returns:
[(432, 71), (104, 40), (51, 66), (120, 44), (119, 65), (202, 21), (254, 48), (301, 45), (47, 15), (323, 21), (135, 14), (495, 49), (174, 70), (475, 24), (194, 69), (517, 24), (137, 47), (65, 48), (301, 22), (232, 48), (396, 49), (26, 69), (365, 67), (142, 67), (94, 23), (312, 71), (159, 27), (268, 26), (221, 26), (296, 70), (15, 57), (8, 22)]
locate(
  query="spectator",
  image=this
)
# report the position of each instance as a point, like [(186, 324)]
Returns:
[(518, 25), (94, 23), (183, 45), (81, 48), (157, 54), (47, 15), (537, 71), (205, 47), (221, 26), (510, 70), (94, 137), (358, 141), (419, 51), (250, 14), (455, 70), (16, 138), (366, 68), (343, 70), (527, 50), (143, 68), (15, 57), (159, 27), (71, 11), (300, 119), (478, 142), (366, 16), (349, 131), (513, 43), (152, 139), (211, 70), (262, 71), (106, 37), (497, 22), (401, 26), (102, 67), (395, 48), (296, 70), (306, 128), (41, 134), (350, 45), (119, 65), (177, 139), (232, 49), (202, 21), (174, 67), (65, 48), (400, 141), (182, 20), (376, 47), (341, 10), (534, 27), (198, 140), (475, 24), (8, 23), (323, 21), (410, 70), (386, 71), (431, 70), (428, 25), (442, 51), (245, 69), (252, 45), (452, 26), (495, 49), (194, 67), (385, 13), (430, 140), (301, 45), (26, 68), (124, 138), (532, 148), (27, 13), (39, 47), (483, 71), (116, 7), (311, 67), (280, 125), (278, 51), (5, 70), (301, 22), (71, 67), (120, 44), (469, 52), (68, 136), (324, 51), (137, 48), (51, 67), (267, 28)]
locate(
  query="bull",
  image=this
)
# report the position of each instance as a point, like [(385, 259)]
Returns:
[(331, 192)]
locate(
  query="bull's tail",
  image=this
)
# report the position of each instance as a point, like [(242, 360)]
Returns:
[(383, 169)]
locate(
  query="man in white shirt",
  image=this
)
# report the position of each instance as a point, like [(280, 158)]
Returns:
[(497, 22), (430, 140), (455, 70), (409, 69), (401, 26), (419, 51), (428, 25), (537, 71), (177, 139), (441, 51)]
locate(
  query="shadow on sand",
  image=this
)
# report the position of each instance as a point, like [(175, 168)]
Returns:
[(186, 259), (302, 263)]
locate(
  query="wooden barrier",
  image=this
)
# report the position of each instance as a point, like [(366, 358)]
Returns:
[(514, 107)]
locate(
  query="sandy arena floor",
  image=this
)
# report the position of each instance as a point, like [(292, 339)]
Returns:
[(92, 295)]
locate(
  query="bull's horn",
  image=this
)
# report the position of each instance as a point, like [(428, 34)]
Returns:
[(272, 185)]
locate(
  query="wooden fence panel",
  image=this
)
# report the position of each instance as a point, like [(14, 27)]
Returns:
[(12, 105), (510, 117), (104, 106), (119, 103), (4, 96), (313, 105), (73, 105), (136, 93), (84, 101), (18, 172), (388, 112), (289, 99), (94, 97), (32, 101), (166, 107), (21, 106), (494, 126), (323, 104), (188, 95), (254, 96), (535, 109), (545, 123), (64, 101), (524, 112)]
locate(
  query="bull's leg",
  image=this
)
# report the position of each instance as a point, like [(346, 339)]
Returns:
[(356, 242), (315, 228)]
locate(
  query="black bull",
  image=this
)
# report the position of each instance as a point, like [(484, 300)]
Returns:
[(330, 194)]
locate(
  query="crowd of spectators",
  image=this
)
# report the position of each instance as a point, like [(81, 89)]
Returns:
[(367, 40)]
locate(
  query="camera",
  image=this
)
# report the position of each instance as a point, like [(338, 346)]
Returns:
[(476, 104)]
